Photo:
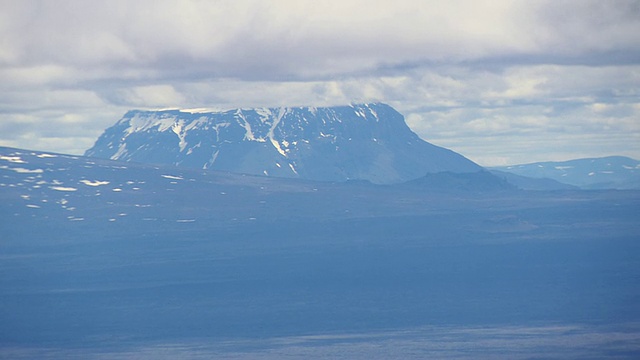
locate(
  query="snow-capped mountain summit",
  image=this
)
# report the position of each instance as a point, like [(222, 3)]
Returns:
[(365, 141)]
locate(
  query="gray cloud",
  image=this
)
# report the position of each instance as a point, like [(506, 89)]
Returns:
[(464, 72), (275, 40)]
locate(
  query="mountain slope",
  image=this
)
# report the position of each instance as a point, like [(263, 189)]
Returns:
[(364, 142), (612, 172)]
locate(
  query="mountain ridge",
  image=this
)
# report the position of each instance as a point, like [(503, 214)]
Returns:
[(609, 172)]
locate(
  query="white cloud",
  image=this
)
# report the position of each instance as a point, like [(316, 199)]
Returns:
[(148, 96), (34, 76), (465, 73)]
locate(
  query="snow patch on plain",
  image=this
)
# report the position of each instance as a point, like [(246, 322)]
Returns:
[(62, 188), (172, 177), (13, 159), (94, 183), (23, 170)]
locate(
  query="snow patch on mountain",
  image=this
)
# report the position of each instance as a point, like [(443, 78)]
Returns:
[(612, 172)]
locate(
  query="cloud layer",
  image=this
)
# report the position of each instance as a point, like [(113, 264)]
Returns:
[(499, 81)]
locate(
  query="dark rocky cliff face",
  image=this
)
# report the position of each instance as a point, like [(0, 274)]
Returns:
[(364, 142)]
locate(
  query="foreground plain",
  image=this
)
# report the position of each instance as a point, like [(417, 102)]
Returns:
[(103, 259)]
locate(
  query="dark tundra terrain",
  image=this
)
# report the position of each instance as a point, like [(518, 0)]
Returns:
[(107, 259)]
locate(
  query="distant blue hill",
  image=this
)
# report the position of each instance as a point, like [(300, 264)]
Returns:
[(530, 183), (612, 172), (449, 182)]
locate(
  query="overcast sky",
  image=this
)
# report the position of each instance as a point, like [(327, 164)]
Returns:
[(501, 82)]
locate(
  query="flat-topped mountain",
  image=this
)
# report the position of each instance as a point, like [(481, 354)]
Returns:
[(356, 142)]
